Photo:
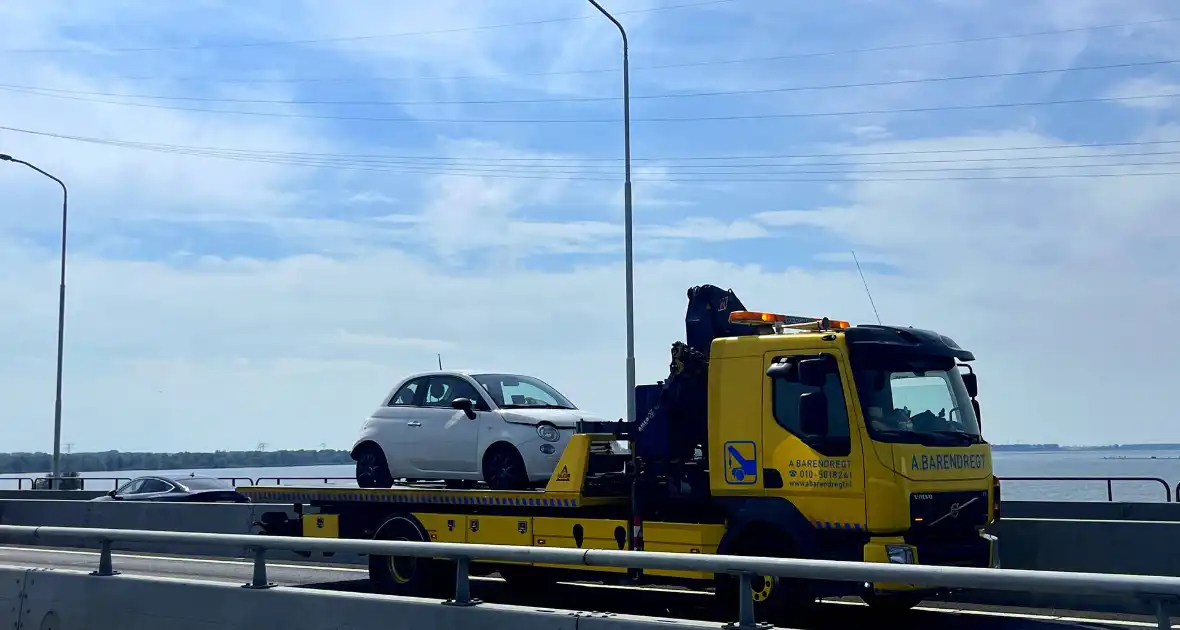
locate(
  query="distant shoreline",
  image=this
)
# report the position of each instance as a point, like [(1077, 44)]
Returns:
[(117, 461), (1041, 448)]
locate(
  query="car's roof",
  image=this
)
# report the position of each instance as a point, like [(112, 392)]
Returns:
[(465, 372)]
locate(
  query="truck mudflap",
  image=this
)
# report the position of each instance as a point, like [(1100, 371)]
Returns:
[(278, 524)]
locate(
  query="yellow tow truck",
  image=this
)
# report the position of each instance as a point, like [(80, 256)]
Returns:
[(773, 436)]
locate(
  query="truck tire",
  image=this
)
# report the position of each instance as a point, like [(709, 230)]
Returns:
[(776, 600), (372, 469), (404, 575), (503, 468)]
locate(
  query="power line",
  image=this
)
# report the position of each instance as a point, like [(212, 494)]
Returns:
[(353, 38), (443, 170), (589, 99), (491, 168), (575, 121), (669, 66), (664, 160)]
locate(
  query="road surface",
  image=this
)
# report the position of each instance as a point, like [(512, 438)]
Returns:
[(657, 602)]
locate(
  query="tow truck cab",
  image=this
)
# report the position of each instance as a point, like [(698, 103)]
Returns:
[(870, 433)]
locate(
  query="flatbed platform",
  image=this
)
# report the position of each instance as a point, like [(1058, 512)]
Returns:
[(422, 496)]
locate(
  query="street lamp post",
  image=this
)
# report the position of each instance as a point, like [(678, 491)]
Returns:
[(55, 475), (627, 238)]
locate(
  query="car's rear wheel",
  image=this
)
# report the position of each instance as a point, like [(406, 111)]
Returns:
[(503, 468), (372, 469)]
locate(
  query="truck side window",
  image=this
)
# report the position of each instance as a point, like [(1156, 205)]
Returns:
[(786, 412)]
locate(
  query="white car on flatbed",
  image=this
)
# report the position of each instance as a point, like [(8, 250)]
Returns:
[(463, 427)]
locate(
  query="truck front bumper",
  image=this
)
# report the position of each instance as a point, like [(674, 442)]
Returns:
[(981, 551)]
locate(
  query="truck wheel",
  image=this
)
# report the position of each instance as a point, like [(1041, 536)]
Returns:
[(405, 575), (372, 469), (776, 600), (892, 603), (503, 468)]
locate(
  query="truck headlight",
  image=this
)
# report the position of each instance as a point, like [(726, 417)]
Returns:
[(548, 432), (900, 554)]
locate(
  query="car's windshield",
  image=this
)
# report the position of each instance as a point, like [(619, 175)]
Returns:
[(917, 406), (512, 391)]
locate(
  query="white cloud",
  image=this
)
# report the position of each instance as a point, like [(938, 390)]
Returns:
[(217, 303)]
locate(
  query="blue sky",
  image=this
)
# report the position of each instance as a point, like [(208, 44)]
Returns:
[(218, 303)]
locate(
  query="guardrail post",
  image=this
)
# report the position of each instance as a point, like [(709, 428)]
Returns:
[(104, 561), (258, 581), (462, 585), (746, 619), (1164, 605)]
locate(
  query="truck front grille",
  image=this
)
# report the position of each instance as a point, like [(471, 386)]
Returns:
[(947, 513)]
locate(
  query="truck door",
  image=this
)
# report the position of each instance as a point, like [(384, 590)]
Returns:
[(816, 452)]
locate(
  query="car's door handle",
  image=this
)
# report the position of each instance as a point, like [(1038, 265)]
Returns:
[(413, 424)]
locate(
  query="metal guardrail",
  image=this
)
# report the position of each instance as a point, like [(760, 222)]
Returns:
[(1109, 483), (28, 483), (80, 482), (278, 481), (1163, 591)]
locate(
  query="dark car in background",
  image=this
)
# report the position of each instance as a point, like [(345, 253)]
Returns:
[(190, 489)]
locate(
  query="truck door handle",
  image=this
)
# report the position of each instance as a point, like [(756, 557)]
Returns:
[(413, 424)]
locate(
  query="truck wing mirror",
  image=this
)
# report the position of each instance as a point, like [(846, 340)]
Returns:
[(975, 406), (971, 383), (781, 369), (813, 414), (814, 372)]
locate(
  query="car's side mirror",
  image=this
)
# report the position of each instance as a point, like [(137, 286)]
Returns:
[(114, 494), (466, 405)]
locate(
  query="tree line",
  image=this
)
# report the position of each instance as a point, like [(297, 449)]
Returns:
[(113, 461)]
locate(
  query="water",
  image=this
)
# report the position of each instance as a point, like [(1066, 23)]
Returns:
[(1165, 465)]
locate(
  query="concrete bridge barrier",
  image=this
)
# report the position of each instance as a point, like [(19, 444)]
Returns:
[(61, 599), (1134, 539)]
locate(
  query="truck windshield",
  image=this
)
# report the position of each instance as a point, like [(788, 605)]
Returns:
[(928, 407), (514, 391)]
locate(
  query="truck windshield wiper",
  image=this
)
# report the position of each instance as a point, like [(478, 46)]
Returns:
[(969, 437), (906, 436), (931, 438)]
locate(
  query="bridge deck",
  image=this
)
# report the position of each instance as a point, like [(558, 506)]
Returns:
[(661, 602)]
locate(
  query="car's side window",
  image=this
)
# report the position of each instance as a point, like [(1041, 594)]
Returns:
[(406, 394), (443, 390), (154, 485), (131, 487)]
